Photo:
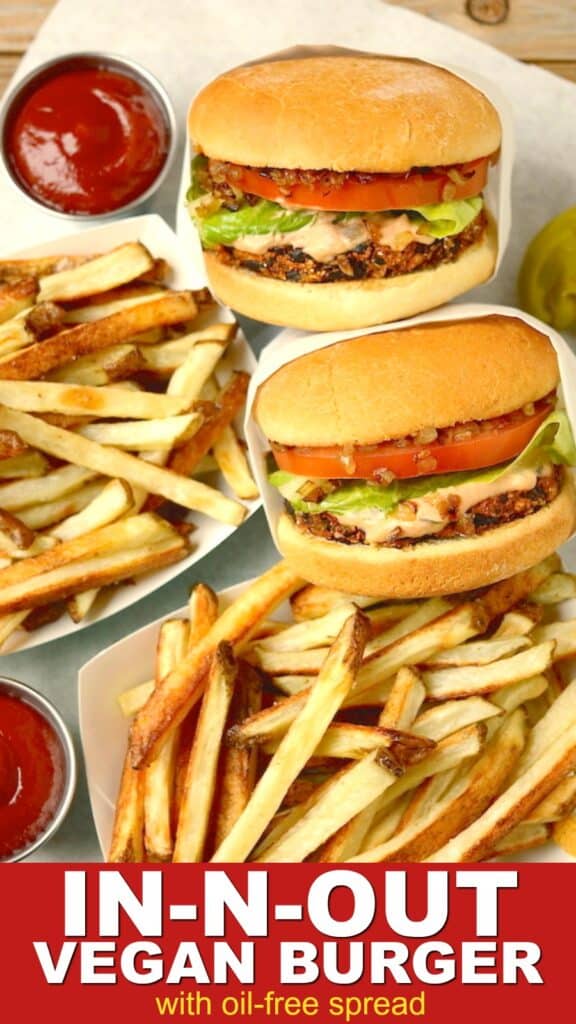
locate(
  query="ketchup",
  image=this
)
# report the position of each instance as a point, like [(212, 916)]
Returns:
[(87, 140), (32, 775)]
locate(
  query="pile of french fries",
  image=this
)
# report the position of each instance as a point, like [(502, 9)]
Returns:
[(115, 402), (359, 731)]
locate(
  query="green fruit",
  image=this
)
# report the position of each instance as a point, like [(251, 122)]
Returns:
[(547, 279)]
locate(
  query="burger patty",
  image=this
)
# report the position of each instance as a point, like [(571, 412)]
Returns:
[(486, 515), (370, 260)]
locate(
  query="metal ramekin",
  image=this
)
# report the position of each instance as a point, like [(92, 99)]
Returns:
[(13, 688), (90, 59)]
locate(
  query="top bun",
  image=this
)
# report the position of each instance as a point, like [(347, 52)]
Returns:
[(343, 113), (394, 384)]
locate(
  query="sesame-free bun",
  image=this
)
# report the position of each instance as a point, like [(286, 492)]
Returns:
[(343, 113), (393, 384), (344, 305), (430, 567)]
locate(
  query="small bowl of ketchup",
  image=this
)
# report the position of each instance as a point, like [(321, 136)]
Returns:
[(37, 770), (88, 136)]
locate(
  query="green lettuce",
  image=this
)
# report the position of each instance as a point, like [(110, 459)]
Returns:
[(444, 219), (224, 226), (552, 443)]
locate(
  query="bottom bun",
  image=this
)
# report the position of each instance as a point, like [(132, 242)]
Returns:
[(430, 567), (344, 305)]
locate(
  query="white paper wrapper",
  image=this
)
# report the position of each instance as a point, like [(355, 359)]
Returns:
[(290, 345), (498, 189), (162, 242), (104, 728)]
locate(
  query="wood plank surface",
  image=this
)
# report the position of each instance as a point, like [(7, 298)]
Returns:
[(541, 32)]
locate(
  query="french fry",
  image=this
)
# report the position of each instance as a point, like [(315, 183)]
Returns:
[(112, 502), (114, 463), (561, 716), (36, 491), (325, 698), (14, 336), (481, 837), (144, 435), (563, 634), (559, 803), (110, 302), (202, 613), (482, 652), (13, 270), (464, 682), (80, 605), (443, 719), (16, 296), (512, 696), (195, 370), (182, 688), (513, 624), (423, 801), (77, 400), (133, 700), (465, 800), (302, 636), (238, 766), (564, 833), (560, 586), (406, 698), (23, 467), (127, 844), (99, 274), (233, 464), (99, 368), (44, 319), (353, 742), (47, 514), (525, 836), (9, 624), (159, 776), (71, 578), (349, 839), (312, 602), (166, 357), (38, 359), (200, 785)]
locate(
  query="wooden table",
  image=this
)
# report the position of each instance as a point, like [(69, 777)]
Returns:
[(538, 31)]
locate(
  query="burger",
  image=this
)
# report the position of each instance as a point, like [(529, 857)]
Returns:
[(420, 461), (342, 191)]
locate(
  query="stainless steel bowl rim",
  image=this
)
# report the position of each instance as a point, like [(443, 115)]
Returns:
[(91, 57)]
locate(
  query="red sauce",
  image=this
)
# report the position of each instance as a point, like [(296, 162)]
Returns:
[(87, 140), (32, 775)]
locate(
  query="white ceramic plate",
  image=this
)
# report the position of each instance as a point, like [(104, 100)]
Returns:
[(163, 243), (129, 662)]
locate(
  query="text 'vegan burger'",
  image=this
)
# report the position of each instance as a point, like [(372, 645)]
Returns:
[(342, 191), (421, 461)]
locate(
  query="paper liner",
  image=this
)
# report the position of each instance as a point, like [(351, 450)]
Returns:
[(498, 189), (290, 345)]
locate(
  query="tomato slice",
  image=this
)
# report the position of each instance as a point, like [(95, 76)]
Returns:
[(384, 192), (488, 448)]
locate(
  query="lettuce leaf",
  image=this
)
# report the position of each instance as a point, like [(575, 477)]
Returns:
[(552, 443), (444, 219), (198, 166), (224, 226)]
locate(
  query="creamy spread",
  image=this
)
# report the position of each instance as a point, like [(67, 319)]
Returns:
[(324, 238), (427, 511)]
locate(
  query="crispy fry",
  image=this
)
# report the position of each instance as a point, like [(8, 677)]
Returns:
[(563, 634), (238, 766), (524, 836), (133, 700), (482, 652), (182, 688), (512, 696), (306, 635), (47, 514), (10, 446), (127, 844), (148, 435), (406, 697), (326, 696), (37, 360), (98, 368), (451, 715), (35, 491), (97, 275), (353, 742), (514, 623), (166, 357), (15, 531), (312, 602), (559, 803), (231, 458), (112, 502), (16, 296), (113, 463), (192, 374), (560, 586), (463, 682), (159, 776), (77, 400), (564, 833), (200, 785), (561, 716)]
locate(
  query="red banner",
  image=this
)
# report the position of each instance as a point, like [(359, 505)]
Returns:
[(286, 942)]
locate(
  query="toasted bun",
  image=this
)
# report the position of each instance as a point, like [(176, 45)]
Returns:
[(382, 386), (431, 567), (344, 113), (345, 305)]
